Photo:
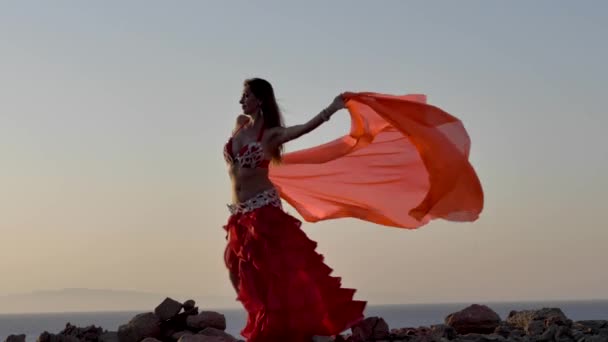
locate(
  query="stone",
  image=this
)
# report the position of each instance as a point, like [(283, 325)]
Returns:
[(202, 338), (549, 334), (150, 339), (516, 333), (474, 319), (475, 337), (557, 320), (323, 339), (592, 326), (139, 327), (404, 333), (595, 338), (535, 328), (48, 337), (72, 333), (442, 331), (15, 338), (189, 304), (371, 328), (522, 318), (209, 331), (109, 336), (206, 319), (89, 333), (504, 329), (176, 336), (167, 309)]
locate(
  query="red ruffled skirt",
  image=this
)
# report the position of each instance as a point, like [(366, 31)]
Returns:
[(283, 283)]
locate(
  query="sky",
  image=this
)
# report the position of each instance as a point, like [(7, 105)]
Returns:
[(113, 116)]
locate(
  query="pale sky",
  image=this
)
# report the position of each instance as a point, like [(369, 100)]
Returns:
[(113, 115)]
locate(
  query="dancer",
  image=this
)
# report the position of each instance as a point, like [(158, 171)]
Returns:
[(280, 279)]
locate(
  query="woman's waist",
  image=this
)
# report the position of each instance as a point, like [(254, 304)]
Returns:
[(261, 198), (246, 175), (244, 188)]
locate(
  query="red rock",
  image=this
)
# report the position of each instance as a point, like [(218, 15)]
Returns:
[(474, 319)]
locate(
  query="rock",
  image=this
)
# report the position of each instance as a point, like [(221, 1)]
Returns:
[(595, 338), (72, 333), (202, 338), (87, 334), (48, 337), (563, 332), (592, 326), (442, 331), (515, 333), (472, 324), (209, 331), (340, 338), (535, 328), (557, 320), (177, 323), (189, 305), (565, 339), (404, 333), (176, 336), (474, 319), (475, 337), (109, 336), (371, 328), (206, 319), (522, 318), (549, 334), (504, 329), (577, 335), (323, 339), (15, 338), (141, 326), (167, 309), (494, 337)]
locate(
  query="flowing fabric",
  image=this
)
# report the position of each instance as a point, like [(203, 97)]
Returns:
[(283, 283), (404, 163)]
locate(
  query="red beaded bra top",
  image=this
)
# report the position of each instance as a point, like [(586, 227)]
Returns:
[(249, 156)]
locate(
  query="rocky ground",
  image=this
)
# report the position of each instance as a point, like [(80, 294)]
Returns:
[(172, 321)]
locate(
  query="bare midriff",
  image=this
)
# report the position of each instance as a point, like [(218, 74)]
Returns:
[(246, 182)]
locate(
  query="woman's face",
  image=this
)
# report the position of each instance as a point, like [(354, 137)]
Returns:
[(249, 103)]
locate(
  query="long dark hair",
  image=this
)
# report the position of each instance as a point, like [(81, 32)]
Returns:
[(271, 113)]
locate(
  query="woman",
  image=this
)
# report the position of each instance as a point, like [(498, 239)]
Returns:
[(281, 281)]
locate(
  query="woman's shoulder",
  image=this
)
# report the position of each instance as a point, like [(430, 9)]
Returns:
[(242, 119)]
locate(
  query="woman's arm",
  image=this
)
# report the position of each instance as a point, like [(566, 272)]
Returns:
[(241, 120), (286, 134)]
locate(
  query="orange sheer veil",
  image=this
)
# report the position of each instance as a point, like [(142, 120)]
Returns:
[(403, 163)]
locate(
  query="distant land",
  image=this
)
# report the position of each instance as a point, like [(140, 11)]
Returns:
[(110, 300), (95, 300)]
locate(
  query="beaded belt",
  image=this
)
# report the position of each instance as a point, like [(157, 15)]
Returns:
[(267, 197)]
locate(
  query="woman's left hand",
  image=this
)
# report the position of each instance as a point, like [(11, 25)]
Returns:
[(338, 103)]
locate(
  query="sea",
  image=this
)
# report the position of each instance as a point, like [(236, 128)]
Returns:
[(397, 316)]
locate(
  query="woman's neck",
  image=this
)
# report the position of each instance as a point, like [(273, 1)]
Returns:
[(257, 121)]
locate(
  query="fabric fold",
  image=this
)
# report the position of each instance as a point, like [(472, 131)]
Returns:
[(403, 163)]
